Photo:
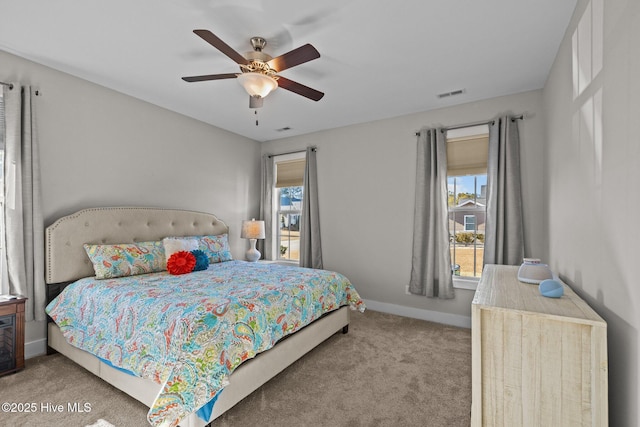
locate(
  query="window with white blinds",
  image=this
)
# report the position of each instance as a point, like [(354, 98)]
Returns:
[(467, 155), (289, 182)]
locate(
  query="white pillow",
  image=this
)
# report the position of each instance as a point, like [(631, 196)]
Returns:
[(177, 244)]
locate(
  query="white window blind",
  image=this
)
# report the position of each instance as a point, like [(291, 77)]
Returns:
[(467, 155), (290, 173)]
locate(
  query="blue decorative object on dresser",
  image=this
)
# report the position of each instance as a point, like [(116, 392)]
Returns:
[(551, 288)]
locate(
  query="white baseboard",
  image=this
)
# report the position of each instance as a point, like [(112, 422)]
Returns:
[(418, 313), (35, 348)]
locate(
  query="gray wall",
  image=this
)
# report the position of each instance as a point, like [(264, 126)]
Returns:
[(366, 177), (593, 170), (99, 147)]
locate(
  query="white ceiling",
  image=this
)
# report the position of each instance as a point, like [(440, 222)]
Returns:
[(379, 58)]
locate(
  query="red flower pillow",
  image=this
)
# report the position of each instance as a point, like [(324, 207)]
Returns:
[(181, 262)]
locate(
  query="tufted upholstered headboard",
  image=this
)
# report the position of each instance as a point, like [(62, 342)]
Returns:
[(66, 259)]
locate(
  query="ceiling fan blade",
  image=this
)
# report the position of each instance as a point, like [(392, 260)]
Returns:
[(214, 41), (295, 57), (210, 77), (300, 89)]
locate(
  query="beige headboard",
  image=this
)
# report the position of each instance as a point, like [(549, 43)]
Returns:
[(66, 259)]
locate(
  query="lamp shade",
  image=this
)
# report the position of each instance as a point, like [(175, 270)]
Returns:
[(252, 229), (257, 84)]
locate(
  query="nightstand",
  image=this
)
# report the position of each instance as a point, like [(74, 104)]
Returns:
[(11, 335)]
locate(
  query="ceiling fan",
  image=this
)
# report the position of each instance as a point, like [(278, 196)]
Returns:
[(259, 71)]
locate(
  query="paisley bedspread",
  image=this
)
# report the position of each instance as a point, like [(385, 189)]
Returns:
[(189, 332)]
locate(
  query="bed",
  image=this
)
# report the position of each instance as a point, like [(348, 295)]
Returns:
[(255, 354)]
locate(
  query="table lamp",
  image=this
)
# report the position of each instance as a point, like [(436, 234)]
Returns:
[(252, 230)]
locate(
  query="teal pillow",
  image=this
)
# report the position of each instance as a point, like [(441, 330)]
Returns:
[(202, 261)]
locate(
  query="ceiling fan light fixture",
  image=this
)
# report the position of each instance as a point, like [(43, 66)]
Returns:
[(257, 84)]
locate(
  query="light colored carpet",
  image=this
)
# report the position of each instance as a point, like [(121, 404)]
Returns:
[(387, 371)]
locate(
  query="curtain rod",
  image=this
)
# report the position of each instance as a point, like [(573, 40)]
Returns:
[(37, 92), (292, 152), (468, 125)]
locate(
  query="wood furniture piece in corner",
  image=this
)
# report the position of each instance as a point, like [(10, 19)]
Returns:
[(536, 361), (11, 335)]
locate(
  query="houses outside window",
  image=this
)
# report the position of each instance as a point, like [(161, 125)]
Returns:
[(290, 191), (467, 153)]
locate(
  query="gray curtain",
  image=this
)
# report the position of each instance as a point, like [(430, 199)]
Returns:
[(504, 237), (266, 208), (431, 260), (310, 247), (24, 232)]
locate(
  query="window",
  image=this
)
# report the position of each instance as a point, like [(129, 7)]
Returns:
[(289, 206), (4, 281), (467, 152), (470, 223), (587, 47), (290, 191)]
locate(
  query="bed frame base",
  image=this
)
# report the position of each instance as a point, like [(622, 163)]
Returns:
[(247, 378)]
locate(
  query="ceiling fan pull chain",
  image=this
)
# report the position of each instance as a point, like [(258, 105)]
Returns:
[(256, 113)]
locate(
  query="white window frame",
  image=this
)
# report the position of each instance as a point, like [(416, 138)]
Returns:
[(280, 211), (466, 228), (277, 209), (466, 282), (4, 280)]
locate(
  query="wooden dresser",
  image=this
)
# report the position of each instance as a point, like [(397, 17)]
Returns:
[(11, 335), (536, 361)]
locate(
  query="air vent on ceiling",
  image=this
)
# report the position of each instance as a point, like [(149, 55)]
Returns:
[(284, 129), (452, 93)]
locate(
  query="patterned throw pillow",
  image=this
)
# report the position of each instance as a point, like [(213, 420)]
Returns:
[(126, 259), (215, 247)]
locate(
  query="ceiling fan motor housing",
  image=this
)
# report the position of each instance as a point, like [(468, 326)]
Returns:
[(258, 43), (258, 56)]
